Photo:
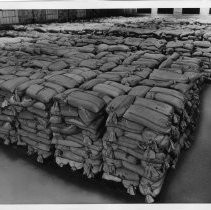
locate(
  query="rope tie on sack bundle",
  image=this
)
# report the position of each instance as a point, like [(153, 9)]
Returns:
[(152, 173), (55, 108), (112, 136), (131, 190), (30, 150), (175, 132), (112, 119), (6, 140), (109, 152), (145, 189), (88, 168), (149, 154), (87, 141), (12, 100), (5, 103), (171, 147)]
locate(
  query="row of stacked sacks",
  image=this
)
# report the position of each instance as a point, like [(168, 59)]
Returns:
[(147, 128), (79, 144), (198, 50), (182, 64), (170, 31), (65, 110), (102, 57), (33, 98), (30, 102), (183, 33), (103, 53)]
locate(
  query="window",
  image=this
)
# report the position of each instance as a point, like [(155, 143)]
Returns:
[(165, 10), (190, 11), (144, 11)]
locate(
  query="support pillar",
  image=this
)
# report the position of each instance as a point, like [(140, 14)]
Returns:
[(204, 11), (177, 11), (154, 11)]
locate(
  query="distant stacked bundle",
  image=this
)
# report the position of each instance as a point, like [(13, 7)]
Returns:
[(153, 45), (181, 64), (77, 121), (146, 60), (183, 47), (168, 33), (192, 32), (177, 33), (131, 31), (203, 52), (207, 35)]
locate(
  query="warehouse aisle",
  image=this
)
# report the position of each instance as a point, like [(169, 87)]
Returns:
[(22, 180)]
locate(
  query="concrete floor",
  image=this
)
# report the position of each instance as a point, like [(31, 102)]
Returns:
[(23, 180)]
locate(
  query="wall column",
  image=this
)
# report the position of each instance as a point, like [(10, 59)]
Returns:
[(154, 11), (204, 11), (177, 11)]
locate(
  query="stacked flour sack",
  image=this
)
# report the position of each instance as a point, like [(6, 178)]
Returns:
[(11, 75), (10, 79), (185, 48), (185, 75), (203, 51), (182, 64), (77, 122), (184, 85), (139, 136), (35, 99), (148, 127)]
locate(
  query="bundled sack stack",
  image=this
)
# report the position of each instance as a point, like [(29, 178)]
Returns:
[(77, 121), (137, 145), (132, 69), (198, 30), (147, 128), (33, 121), (177, 32), (207, 34), (183, 47), (131, 31), (181, 64), (153, 45), (105, 103), (12, 75), (203, 51), (36, 97), (9, 81)]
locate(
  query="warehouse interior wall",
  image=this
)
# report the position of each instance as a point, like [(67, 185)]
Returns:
[(53, 15), (68, 15)]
